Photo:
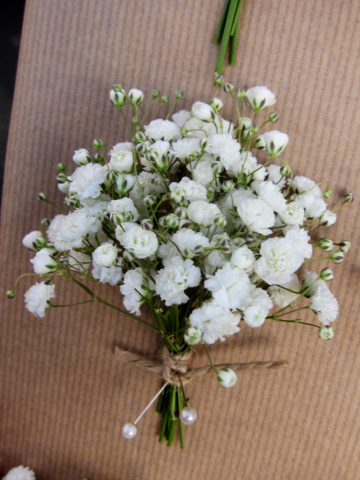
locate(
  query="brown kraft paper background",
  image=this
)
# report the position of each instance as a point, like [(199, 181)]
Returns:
[(64, 398)]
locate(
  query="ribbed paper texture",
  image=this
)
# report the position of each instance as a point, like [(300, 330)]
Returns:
[(64, 399)]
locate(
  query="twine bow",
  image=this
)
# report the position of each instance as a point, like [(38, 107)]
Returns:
[(170, 367)]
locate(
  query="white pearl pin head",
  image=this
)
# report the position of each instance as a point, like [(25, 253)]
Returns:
[(129, 430), (188, 415)]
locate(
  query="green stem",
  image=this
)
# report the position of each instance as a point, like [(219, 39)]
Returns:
[(226, 36), (296, 321), (127, 313), (235, 34), (222, 22), (72, 304), (211, 363)]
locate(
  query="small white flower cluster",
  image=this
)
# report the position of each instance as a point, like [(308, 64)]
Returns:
[(20, 473), (187, 220)]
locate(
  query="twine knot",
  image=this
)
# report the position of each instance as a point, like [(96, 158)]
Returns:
[(174, 366)]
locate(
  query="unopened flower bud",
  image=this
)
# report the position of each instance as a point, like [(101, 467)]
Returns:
[(179, 94), (253, 128), (216, 104), (327, 193), (260, 143), (81, 157), (61, 178), (337, 256), (135, 96), (155, 93), (284, 170), (72, 202), (162, 221), (45, 222), (326, 274), (41, 242), (325, 244), (98, 158), (203, 112), (188, 253), (217, 167), (181, 212), (10, 294), (326, 333), (185, 223), (61, 167), (42, 197), (228, 87), (148, 201), (64, 259), (152, 155), (273, 117), (141, 147), (199, 250), (172, 220), (97, 143), (226, 377), (226, 250), (177, 195), (112, 175), (124, 183), (165, 99), (349, 197), (184, 132), (203, 143), (118, 96), (128, 256), (219, 80), (345, 246), (192, 336), (147, 224), (140, 137), (240, 93), (328, 218), (220, 220), (228, 186)]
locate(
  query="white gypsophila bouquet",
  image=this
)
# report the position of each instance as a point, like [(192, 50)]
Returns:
[(185, 220)]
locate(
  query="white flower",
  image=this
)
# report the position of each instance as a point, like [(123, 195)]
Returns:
[(324, 303), (255, 316), (118, 98), (81, 157), (279, 259), (217, 104), (326, 333), (275, 142), (216, 259), (203, 112), (303, 184), (260, 98), (258, 298), (122, 157), (214, 322), (243, 258), (124, 205), (245, 163), (328, 218), (146, 185), (203, 213), (293, 214), (275, 176), (167, 251), (29, 241), (173, 280), (230, 286), (182, 149), (135, 285), (233, 200), (226, 377), (66, 231), (312, 278), (37, 298), (162, 130), (77, 258), (193, 191), (314, 206), (111, 275), (124, 183), (20, 473), (105, 255), (282, 297), (271, 194), (161, 148), (203, 174), (135, 96), (224, 146), (43, 262), (142, 243), (257, 215), (125, 227), (87, 180), (301, 239), (180, 118)]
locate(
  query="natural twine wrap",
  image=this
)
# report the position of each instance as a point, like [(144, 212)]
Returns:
[(171, 367)]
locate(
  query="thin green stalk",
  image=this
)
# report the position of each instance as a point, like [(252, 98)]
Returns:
[(296, 321), (222, 22), (235, 34), (211, 363), (72, 304), (226, 36), (125, 121)]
